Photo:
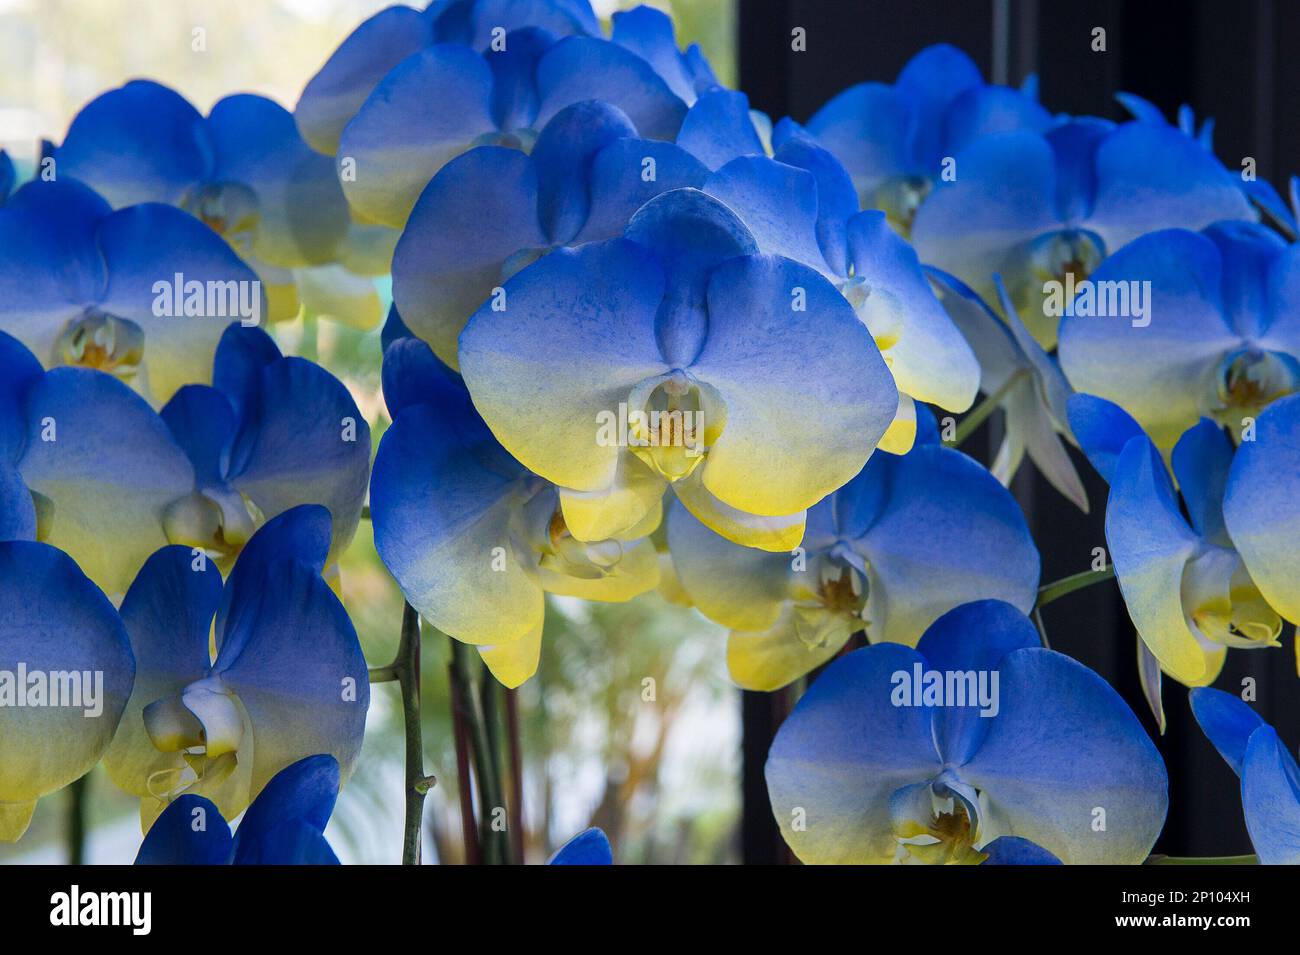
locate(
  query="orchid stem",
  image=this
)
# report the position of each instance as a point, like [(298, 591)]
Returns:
[(980, 413), (407, 666), (460, 736), (515, 756), (78, 804), (1068, 585), (487, 761)]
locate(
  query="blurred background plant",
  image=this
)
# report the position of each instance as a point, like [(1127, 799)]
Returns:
[(656, 764)]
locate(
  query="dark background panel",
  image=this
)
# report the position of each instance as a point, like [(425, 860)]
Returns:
[(1228, 59)]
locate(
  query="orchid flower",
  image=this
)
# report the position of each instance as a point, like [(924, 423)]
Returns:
[(679, 355), (269, 434), (1038, 206), (287, 681), (888, 758), (893, 140), (143, 293), (589, 847), (474, 540), (904, 542), (1193, 588), (1220, 340)]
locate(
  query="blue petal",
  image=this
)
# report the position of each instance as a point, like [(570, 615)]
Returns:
[(190, 831), (565, 74), (1270, 798), (930, 81), (302, 213), (17, 509), (563, 154), (1013, 850), (589, 847), (837, 200), (1228, 722), (472, 21), (441, 504), (203, 423), (335, 94), (292, 657), (142, 142), (8, 176), (1201, 460), (47, 222), (1102, 428), (19, 370), (301, 534), (110, 471), (402, 135), (866, 128), (1154, 177), (619, 188), (241, 357), (1003, 195), (648, 33), (925, 527), (778, 204), (1261, 505), (302, 792), (1063, 745), (479, 210), (514, 71), (55, 621), (973, 637), (413, 375), (719, 128), (982, 111), (303, 441), (842, 752)]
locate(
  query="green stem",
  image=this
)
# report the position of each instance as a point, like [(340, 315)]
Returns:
[(405, 669), (979, 414), (1068, 585), (465, 667), (78, 805), (1203, 860)]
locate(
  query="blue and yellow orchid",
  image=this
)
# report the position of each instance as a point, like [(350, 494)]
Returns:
[(66, 671), (897, 547), (930, 754), (85, 465), (287, 680), (893, 140), (143, 293), (680, 355), (801, 204), (285, 825), (342, 85), (506, 91), (269, 434), (1270, 778), (490, 212), (474, 540), (1189, 587), (1038, 206), (1221, 337)]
